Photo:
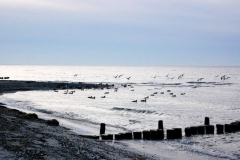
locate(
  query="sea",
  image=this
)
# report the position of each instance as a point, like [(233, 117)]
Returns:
[(179, 96)]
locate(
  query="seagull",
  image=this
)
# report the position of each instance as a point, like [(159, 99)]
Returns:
[(154, 77), (71, 92), (120, 75), (200, 79), (134, 101), (115, 76), (75, 75), (124, 85), (223, 77), (167, 75), (103, 97), (128, 78), (91, 97), (144, 100)]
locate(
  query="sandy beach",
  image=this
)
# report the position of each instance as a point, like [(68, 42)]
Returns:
[(25, 136)]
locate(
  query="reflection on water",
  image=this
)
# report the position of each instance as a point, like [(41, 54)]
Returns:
[(180, 96)]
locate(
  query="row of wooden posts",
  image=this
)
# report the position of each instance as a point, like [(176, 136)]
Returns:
[(175, 133), (4, 77)]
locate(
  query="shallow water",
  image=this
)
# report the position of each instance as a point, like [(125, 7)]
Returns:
[(210, 97)]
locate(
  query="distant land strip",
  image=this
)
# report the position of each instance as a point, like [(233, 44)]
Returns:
[(15, 85)]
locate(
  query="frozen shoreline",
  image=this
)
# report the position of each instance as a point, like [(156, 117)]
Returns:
[(32, 138), (159, 150)]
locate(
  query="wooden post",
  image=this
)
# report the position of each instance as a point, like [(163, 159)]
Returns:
[(201, 130), (234, 127), (118, 137), (238, 123), (102, 128), (146, 135), (161, 133), (104, 137), (219, 128), (137, 135), (209, 129), (123, 135), (228, 128), (207, 121), (110, 137), (170, 134), (160, 124), (178, 133), (194, 130), (154, 134), (128, 135), (188, 132)]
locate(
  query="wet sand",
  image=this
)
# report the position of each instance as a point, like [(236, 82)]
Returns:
[(25, 136)]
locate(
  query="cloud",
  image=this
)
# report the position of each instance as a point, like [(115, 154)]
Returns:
[(45, 5), (209, 15), (148, 21)]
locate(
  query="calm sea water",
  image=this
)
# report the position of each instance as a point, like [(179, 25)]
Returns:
[(199, 91)]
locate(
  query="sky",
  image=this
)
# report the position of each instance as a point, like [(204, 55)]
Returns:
[(120, 32)]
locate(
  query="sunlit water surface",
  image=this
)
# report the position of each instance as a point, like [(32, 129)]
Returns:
[(210, 97)]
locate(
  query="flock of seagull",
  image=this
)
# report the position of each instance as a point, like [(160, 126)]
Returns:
[(145, 98), (116, 89), (224, 77), (142, 100), (179, 77), (65, 92)]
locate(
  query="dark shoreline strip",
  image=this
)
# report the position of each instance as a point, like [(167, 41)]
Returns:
[(25, 136), (13, 85)]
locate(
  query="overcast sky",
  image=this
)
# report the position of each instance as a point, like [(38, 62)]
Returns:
[(120, 32)]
